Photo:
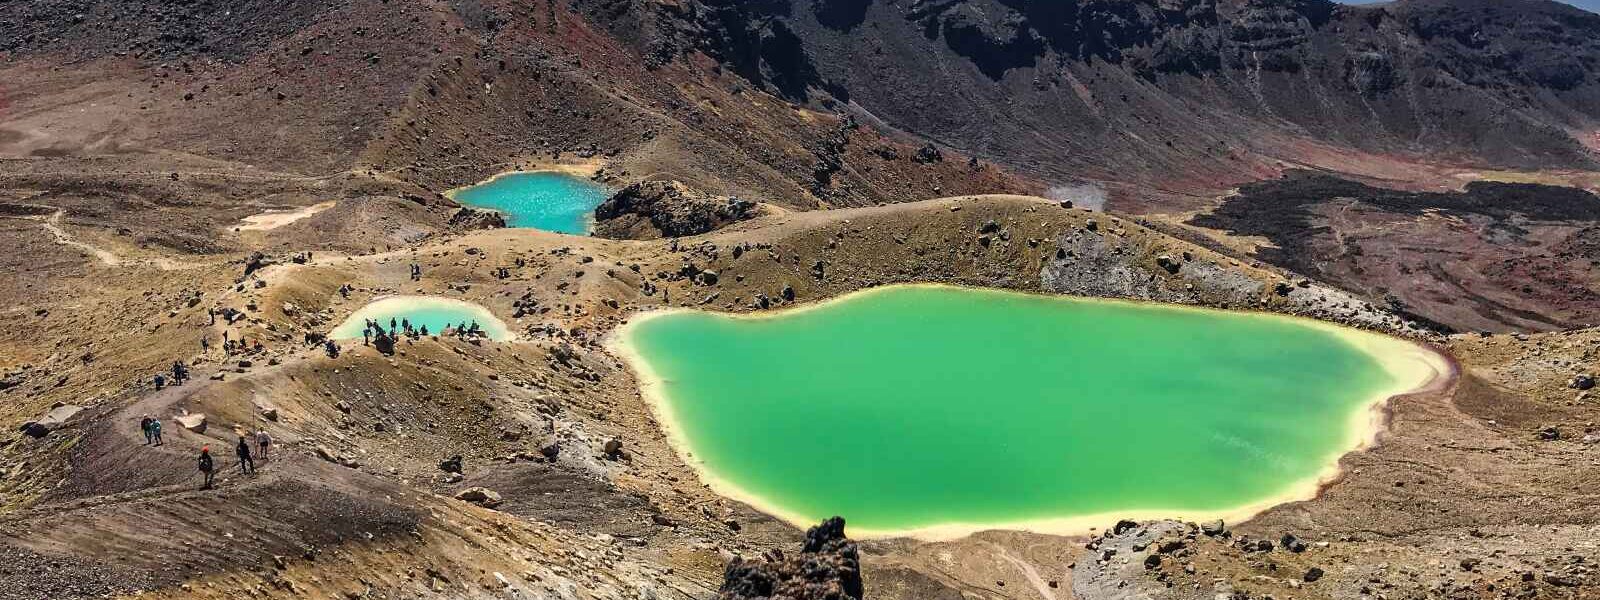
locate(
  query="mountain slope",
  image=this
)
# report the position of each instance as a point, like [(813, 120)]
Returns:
[(1193, 93)]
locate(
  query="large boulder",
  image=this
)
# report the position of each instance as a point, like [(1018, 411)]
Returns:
[(480, 496), (51, 421), (451, 465), (667, 209), (195, 422)]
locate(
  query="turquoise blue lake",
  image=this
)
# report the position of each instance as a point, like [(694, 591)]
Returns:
[(435, 313), (543, 200)]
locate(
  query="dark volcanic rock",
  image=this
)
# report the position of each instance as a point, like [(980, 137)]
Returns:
[(1524, 284), (471, 218), (657, 209), (1430, 76), (828, 567)]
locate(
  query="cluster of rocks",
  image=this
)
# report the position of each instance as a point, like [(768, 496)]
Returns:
[(1139, 559), (657, 209), (828, 567), (468, 219)]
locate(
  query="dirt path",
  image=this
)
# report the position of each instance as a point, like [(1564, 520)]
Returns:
[(53, 225), (106, 256)]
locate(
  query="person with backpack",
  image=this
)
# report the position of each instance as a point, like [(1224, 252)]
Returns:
[(263, 443), (155, 431), (144, 427), (207, 467), (246, 464)]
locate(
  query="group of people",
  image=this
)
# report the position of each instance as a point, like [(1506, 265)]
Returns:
[(464, 330), (416, 272), (241, 345), (247, 457), (374, 330), (180, 374), (152, 430)]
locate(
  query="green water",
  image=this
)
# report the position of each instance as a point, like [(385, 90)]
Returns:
[(911, 407), (541, 200), (435, 313)]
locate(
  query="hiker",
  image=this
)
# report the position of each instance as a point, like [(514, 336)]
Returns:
[(144, 426), (331, 348), (205, 345), (161, 381), (155, 431), (207, 467), (263, 443), (246, 464), (179, 373), (424, 331), (392, 324), (366, 337)]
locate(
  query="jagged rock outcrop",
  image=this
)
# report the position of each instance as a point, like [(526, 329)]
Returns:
[(471, 218), (657, 209), (828, 567)]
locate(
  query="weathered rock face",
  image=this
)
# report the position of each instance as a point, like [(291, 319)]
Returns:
[(657, 209), (51, 421), (471, 218), (1421, 75), (828, 567)]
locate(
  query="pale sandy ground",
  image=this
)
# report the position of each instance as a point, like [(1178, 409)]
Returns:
[(274, 219)]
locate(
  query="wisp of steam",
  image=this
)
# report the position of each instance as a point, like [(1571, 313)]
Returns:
[(1082, 195)]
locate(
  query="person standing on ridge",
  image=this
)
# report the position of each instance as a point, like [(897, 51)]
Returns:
[(207, 467), (263, 443), (246, 464)]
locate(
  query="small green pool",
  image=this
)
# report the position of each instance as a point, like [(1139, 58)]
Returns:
[(435, 313), (544, 200), (922, 409)]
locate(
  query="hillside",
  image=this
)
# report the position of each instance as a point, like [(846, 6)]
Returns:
[(172, 171)]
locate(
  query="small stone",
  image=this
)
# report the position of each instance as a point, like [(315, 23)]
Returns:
[(480, 496)]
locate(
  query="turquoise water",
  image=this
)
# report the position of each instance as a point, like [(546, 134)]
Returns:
[(913, 407), (540, 200), (435, 313)]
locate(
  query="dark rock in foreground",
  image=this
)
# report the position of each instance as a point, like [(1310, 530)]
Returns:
[(657, 209), (827, 568)]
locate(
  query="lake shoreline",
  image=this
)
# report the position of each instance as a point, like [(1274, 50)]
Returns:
[(395, 305), (1414, 367)]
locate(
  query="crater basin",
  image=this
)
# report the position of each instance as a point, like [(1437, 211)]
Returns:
[(546, 200), (935, 411), (434, 312)]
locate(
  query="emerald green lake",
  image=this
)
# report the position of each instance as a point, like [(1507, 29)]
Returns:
[(539, 199), (918, 407)]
